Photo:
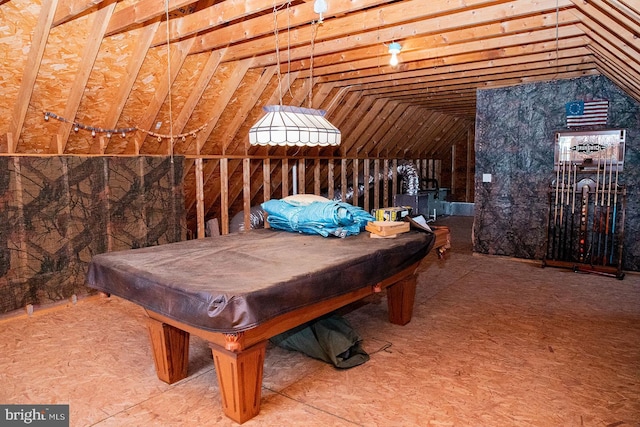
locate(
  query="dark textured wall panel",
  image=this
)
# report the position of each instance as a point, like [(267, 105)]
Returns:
[(57, 212), (515, 136)]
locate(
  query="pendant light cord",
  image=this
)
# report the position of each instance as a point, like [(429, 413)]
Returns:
[(171, 139), (314, 31)]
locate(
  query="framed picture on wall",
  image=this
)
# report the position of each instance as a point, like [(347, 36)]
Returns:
[(590, 149)]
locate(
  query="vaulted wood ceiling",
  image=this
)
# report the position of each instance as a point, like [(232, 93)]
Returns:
[(203, 69), (104, 64)]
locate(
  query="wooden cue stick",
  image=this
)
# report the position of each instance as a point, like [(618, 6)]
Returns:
[(606, 232), (555, 206), (613, 222), (560, 230), (595, 211), (573, 210)]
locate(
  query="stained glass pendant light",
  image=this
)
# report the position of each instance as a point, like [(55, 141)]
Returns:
[(285, 125)]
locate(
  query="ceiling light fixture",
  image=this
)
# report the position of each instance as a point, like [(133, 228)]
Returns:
[(285, 125), (294, 126), (394, 50), (320, 7)]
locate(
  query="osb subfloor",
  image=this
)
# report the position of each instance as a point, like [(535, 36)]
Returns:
[(493, 342)]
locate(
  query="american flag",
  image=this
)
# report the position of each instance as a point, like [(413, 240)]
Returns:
[(587, 113)]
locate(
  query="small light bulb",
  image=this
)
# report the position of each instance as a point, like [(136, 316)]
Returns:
[(108, 134), (320, 7), (46, 117), (394, 50), (93, 133), (75, 128)]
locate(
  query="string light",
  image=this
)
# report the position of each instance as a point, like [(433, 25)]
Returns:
[(77, 126)]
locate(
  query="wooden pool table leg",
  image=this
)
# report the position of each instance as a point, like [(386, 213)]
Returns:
[(240, 380), (170, 351), (400, 299)]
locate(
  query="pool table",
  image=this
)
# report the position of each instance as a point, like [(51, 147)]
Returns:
[(238, 290)]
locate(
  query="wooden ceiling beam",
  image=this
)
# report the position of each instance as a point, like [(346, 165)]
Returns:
[(617, 69), (543, 39), (360, 22), (469, 75), (484, 59), (442, 148), (225, 95), (250, 29), (609, 69), (435, 121), (632, 62), (32, 65), (241, 112), (143, 40), (369, 147), (493, 80), (359, 147), (214, 16), (195, 95), (441, 138), (58, 141), (141, 12), (423, 35), (506, 64), (617, 35), (411, 139), (178, 54), (406, 123), (69, 9), (364, 120), (375, 123)]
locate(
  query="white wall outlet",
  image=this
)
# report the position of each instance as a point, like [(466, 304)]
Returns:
[(486, 177)]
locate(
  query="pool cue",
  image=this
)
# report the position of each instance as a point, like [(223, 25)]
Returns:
[(584, 211), (560, 232), (602, 220), (555, 209), (573, 212), (606, 232), (595, 213), (565, 224), (613, 221)]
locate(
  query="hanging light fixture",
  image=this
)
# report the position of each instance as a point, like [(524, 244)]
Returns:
[(394, 50), (293, 126), (284, 125)]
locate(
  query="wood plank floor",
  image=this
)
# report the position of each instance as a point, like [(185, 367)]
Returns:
[(493, 342)]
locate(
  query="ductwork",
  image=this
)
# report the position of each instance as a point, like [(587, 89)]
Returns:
[(406, 172)]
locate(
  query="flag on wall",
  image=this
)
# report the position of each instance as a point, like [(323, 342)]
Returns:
[(587, 113)]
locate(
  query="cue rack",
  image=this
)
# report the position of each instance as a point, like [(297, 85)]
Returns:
[(585, 230)]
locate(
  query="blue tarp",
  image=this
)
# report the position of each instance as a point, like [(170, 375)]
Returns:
[(324, 218)]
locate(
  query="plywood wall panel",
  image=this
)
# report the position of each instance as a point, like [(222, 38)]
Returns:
[(175, 100), (223, 130), (101, 92), (209, 101), (149, 78), (17, 20), (56, 76)]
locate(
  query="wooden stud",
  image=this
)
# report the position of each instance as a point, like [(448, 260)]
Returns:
[(246, 192), (224, 195), (199, 198)]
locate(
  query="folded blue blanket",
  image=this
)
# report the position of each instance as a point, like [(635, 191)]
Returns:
[(324, 218)]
